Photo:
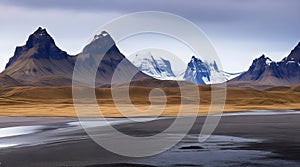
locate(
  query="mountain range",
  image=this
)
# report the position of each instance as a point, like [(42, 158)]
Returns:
[(263, 73), (196, 71), (41, 63), (267, 73)]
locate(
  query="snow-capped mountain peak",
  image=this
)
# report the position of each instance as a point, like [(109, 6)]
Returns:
[(197, 72), (203, 72), (101, 35), (154, 66)]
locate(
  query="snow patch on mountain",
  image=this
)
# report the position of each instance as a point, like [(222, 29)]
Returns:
[(230, 76)]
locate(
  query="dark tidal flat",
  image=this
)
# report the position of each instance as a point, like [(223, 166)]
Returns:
[(270, 139)]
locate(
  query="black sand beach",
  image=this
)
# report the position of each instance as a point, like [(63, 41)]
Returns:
[(239, 140)]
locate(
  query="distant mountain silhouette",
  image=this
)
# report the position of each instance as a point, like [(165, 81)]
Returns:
[(266, 73), (41, 62)]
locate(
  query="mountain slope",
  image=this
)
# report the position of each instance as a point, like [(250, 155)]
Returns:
[(264, 71), (7, 80)]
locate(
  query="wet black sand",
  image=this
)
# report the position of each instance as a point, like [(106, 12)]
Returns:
[(280, 135)]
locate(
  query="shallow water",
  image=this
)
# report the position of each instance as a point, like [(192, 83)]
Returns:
[(7, 145), (19, 130), (262, 112), (216, 151), (21, 136), (24, 136)]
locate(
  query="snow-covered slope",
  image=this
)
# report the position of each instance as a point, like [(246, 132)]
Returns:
[(230, 76), (154, 66), (201, 72), (197, 72)]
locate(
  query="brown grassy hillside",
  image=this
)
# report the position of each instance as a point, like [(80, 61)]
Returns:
[(57, 101)]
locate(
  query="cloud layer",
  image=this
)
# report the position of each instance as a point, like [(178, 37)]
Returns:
[(240, 30)]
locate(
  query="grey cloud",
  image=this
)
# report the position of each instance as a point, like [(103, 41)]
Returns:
[(193, 9), (234, 22), (256, 16)]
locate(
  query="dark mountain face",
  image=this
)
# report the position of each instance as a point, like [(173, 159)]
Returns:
[(39, 58), (103, 56), (257, 68), (264, 71), (294, 55), (43, 45), (41, 62)]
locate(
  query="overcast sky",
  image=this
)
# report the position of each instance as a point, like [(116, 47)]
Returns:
[(240, 30)]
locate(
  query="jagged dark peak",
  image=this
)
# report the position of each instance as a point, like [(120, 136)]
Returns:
[(40, 45), (103, 34), (44, 45), (259, 64), (194, 58), (264, 57), (195, 61), (197, 64), (41, 31), (40, 37), (262, 60)]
